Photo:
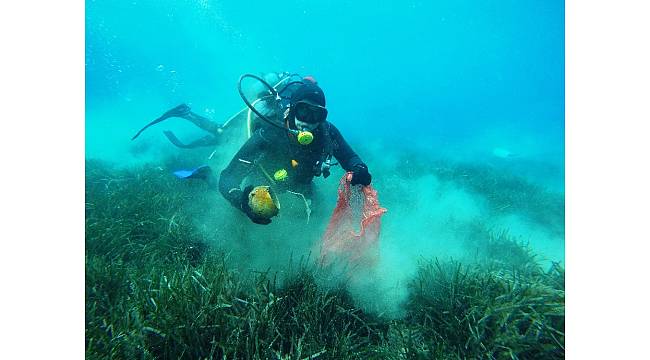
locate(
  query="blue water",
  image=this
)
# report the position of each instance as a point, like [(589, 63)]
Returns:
[(450, 71), (462, 81)]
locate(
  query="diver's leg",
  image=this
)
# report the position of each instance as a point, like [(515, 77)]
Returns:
[(203, 122), (208, 140)]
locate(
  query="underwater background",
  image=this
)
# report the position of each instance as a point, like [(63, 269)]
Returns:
[(458, 110)]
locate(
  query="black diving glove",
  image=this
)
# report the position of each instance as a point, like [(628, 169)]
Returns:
[(247, 209), (360, 175)]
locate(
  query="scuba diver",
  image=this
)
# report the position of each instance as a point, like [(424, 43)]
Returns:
[(295, 147), (288, 134)]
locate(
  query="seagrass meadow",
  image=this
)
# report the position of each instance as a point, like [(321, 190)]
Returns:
[(159, 286), (458, 111)]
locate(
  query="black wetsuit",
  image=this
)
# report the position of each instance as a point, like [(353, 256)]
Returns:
[(273, 149)]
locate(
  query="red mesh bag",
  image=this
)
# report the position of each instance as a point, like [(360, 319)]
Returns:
[(353, 231)]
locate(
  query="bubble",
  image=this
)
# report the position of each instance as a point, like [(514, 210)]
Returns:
[(160, 67)]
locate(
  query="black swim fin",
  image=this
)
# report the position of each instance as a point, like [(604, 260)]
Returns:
[(179, 111)]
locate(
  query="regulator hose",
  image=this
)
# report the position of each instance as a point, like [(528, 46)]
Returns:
[(272, 93)]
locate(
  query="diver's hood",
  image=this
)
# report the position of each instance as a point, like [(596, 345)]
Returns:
[(310, 93)]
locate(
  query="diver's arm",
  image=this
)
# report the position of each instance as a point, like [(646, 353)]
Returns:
[(343, 152), (349, 160), (233, 175)]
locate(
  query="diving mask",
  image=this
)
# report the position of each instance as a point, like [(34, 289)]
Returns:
[(310, 113)]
